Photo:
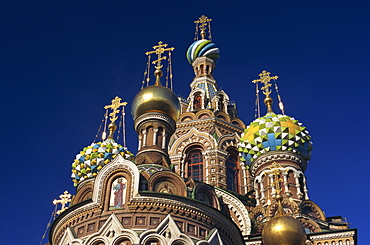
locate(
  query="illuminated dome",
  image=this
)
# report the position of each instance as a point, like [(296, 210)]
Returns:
[(274, 133), (156, 98), (202, 48), (91, 159)]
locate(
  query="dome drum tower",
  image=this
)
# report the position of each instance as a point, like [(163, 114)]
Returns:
[(155, 110)]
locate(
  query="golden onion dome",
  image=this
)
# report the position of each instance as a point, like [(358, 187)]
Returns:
[(156, 98), (283, 229)]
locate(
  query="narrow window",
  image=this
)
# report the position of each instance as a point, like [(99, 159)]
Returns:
[(232, 172), (195, 161), (197, 102)]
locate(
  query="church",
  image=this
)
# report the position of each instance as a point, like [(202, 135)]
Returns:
[(201, 176)]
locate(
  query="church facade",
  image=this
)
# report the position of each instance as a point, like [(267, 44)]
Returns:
[(200, 175)]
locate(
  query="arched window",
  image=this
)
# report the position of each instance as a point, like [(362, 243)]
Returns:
[(221, 103), (195, 165), (197, 102), (232, 171)]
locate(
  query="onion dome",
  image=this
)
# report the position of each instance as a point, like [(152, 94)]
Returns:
[(156, 98), (274, 132), (201, 48), (92, 158), (283, 229)]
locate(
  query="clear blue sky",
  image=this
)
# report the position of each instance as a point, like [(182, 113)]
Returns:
[(62, 61)]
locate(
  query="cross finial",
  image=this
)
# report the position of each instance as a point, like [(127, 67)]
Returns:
[(159, 50), (116, 103), (265, 79), (202, 23), (276, 171), (64, 199)]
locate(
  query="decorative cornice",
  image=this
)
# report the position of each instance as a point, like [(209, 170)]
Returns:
[(275, 156), (152, 150), (208, 120), (194, 209), (332, 235), (253, 242), (156, 116)]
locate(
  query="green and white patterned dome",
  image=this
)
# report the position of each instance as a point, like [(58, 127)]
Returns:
[(274, 132), (92, 158), (202, 48)]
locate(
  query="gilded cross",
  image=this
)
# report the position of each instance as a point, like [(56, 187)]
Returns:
[(64, 199), (204, 22), (276, 171), (159, 50), (116, 103), (265, 79)]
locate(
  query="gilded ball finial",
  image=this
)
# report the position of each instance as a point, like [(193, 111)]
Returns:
[(283, 230)]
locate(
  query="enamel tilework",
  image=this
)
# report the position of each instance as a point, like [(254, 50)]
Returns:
[(92, 158), (274, 133)]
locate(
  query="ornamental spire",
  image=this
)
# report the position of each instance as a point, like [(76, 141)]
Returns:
[(202, 24), (159, 50)]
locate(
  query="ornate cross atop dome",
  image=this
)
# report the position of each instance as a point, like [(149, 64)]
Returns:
[(202, 23), (116, 103), (159, 50), (265, 79)]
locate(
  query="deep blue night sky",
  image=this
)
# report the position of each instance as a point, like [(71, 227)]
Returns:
[(62, 61)]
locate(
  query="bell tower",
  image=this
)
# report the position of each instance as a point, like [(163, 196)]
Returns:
[(203, 147)]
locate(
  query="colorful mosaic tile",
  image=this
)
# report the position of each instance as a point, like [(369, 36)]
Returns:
[(92, 158), (274, 133)]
